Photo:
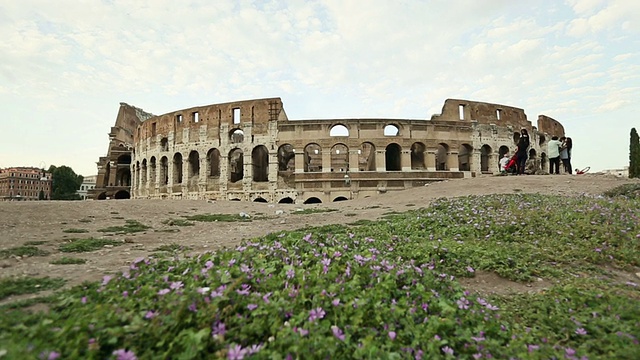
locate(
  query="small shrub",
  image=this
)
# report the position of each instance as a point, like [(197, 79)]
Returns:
[(68, 261), (627, 190), (86, 245), (20, 286), (37, 242), (85, 220), (22, 251), (313, 211), (75, 231), (217, 217), (131, 226), (178, 222)]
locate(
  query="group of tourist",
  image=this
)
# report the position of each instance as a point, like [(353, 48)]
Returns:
[(558, 149)]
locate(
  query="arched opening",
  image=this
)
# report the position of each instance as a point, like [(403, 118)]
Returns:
[(516, 137), (544, 162), (485, 153), (124, 159), (312, 158), (339, 130), (164, 170), (286, 200), (143, 171), (542, 140), (164, 144), (464, 157), (123, 177), (313, 200), (236, 165), (286, 158), (367, 157), (339, 158), (152, 170), (194, 165), (391, 130), (259, 200), (236, 136), (503, 150), (102, 196), (213, 159), (260, 163), (177, 168), (441, 157), (122, 194), (340, 198), (234, 199), (392, 157), (105, 180), (417, 156)]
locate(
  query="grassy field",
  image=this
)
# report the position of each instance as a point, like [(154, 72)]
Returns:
[(374, 289)]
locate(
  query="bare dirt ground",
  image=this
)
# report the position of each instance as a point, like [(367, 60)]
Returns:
[(22, 222)]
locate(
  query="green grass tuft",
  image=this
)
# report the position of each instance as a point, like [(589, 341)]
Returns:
[(22, 251), (86, 245), (75, 231), (217, 217), (27, 285), (131, 226), (68, 261)]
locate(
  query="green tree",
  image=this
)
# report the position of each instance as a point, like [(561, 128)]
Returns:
[(634, 155), (65, 183)]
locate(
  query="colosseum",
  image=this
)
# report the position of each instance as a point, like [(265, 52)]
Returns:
[(251, 151)]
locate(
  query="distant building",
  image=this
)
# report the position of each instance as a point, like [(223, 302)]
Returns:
[(24, 184), (88, 183), (624, 172)]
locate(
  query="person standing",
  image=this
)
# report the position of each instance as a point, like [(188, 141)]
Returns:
[(554, 155), (565, 154), (522, 152)]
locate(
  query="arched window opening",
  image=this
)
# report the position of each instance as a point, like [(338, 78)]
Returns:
[(392, 157), (339, 130), (260, 200), (164, 144), (339, 158), (544, 162), (286, 200), (417, 156), (312, 158), (164, 170), (152, 170), (236, 165), (340, 198), (542, 140), (122, 194), (260, 163), (367, 157), (313, 200), (464, 157), (391, 130), (441, 157), (236, 136), (485, 153), (124, 159), (143, 171), (194, 165), (177, 168), (213, 159), (286, 158), (123, 177)]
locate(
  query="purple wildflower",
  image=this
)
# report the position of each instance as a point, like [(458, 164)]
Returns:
[(470, 269), (265, 297), (532, 348), (253, 349), (290, 274), (337, 333), (218, 328), (176, 285), (447, 350), (125, 294), (463, 303), (252, 307), (335, 302), (193, 307), (106, 279), (392, 335), (150, 314), (236, 353), (218, 292), (317, 313), (164, 292), (83, 300), (581, 331), (52, 355), (245, 290), (123, 354)]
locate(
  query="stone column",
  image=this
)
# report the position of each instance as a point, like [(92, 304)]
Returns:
[(185, 175), (326, 160), (476, 163), (113, 170), (381, 160), (273, 166), (405, 160), (299, 156), (247, 167), (452, 161), (354, 160), (431, 160)]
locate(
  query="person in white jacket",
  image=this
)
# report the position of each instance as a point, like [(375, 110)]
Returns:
[(553, 151)]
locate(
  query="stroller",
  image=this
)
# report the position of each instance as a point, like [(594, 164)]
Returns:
[(583, 171), (511, 167)]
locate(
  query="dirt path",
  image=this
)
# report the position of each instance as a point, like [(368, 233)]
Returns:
[(23, 222)]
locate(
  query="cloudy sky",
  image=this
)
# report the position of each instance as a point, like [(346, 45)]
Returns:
[(66, 65)]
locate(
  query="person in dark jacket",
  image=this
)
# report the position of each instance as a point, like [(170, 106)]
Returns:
[(522, 151)]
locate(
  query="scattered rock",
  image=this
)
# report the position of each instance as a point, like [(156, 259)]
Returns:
[(638, 274), (245, 215), (279, 212)]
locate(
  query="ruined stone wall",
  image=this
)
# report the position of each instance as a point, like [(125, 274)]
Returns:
[(550, 126), (250, 151)]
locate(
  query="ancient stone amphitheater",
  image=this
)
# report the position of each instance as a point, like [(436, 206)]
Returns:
[(251, 151)]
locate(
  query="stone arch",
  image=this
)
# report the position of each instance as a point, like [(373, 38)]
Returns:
[(542, 139), (124, 159), (367, 157), (286, 200), (313, 200), (194, 165), (312, 158), (213, 160), (260, 163), (339, 158), (391, 130), (123, 177), (236, 136), (164, 144), (442, 154), (164, 170), (260, 200), (392, 156), (122, 194), (236, 165), (340, 198), (153, 167), (503, 150), (543, 162), (465, 157), (417, 156), (143, 171), (485, 156), (286, 158), (102, 196), (177, 168), (339, 130)]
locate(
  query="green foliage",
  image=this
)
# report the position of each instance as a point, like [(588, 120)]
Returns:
[(68, 261), (312, 211), (172, 248), (389, 287), (178, 222), (22, 251), (65, 183), (626, 190), (35, 242), (27, 285), (217, 217), (634, 155), (75, 231), (86, 245), (131, 226)]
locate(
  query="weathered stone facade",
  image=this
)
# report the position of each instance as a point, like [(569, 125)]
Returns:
[(251, 151)]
